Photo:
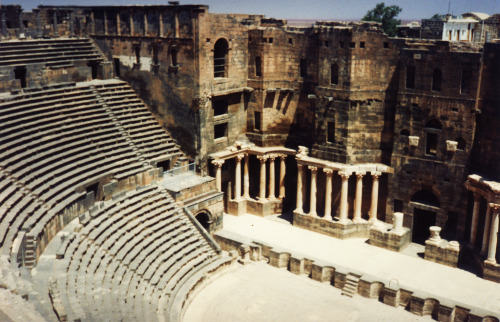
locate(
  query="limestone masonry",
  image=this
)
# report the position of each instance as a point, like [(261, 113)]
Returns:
[(127, 131)]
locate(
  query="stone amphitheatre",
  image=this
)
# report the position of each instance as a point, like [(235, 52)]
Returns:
[(167, 163)]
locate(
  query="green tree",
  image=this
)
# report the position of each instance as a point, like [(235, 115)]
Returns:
[(437, 16), (385, 15)]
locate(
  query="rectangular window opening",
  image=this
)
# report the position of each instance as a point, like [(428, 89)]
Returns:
[(362, 44), (290, 41), (386, 45), (326, 43), (352, 45), (410, 77), (330, 132), (270, 40), (303, 68), (257, 121), (220, 107), (431, 144), (220, 131), (465, 82), (341, 44), (258, 66)]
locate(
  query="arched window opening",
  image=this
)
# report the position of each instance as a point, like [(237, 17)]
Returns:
[(461, 144), (220, 58), (334, 74), (426, 197), (404, 132), (204, 220), (433, 124), (436, 80), (155, 56)]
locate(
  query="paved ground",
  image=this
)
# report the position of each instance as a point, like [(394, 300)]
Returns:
[(410, 271), (260, 292)]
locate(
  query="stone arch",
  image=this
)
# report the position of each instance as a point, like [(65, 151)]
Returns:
[(434, 124), (426, 197), (221, 49), (205, 218)]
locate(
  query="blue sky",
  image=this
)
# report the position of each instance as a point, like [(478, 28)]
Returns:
[(306, 9)]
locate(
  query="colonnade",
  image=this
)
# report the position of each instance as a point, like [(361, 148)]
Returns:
[(344, 207), (491, 226), (263, 159)]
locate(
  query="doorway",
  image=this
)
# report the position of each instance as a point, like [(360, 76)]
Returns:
[(422, 220), (204, 220)]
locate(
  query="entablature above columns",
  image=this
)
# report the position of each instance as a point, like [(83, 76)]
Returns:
[(347, 168), (239, 148), (488, 189)]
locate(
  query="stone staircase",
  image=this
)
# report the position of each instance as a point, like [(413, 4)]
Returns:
[(351, 285)]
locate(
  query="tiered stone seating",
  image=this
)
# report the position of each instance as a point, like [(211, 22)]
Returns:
[(138, 122), (129, 256), (51, 52), (51, 142)]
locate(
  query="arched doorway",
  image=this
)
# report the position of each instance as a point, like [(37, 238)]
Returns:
[(425, 207), (203, 218)]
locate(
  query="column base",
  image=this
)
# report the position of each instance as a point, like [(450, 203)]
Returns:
[(359, 220), (313, 214), (337, 229), (237, 207), (264, 207)]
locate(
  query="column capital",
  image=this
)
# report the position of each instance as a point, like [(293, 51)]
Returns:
[(282, 156), (313, 168), (345, 174), (262, 158), (239, 157), (495, 207), (328, 171), (376, 174), (272, 157), (218, 163), (300, 166), (360, 174)]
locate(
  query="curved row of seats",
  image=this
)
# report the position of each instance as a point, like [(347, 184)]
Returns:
[(51, 52), (58, 139), (129, 257)]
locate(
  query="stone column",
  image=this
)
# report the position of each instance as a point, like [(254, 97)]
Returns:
[(131, 16), (21, 23), (486, 233), (475, 220), (312, 210), (328, 194), (145, 24), (492, 249), (105, 23), (359, 196), (118, 24), (262, 186), (218, 180), (38, 25), (246, 178), (282, 175), (176, 25), (237, 177), (343, 196), (373, 208), (299, 208), (54, 16), (398, 222), (72, 24), (272, 194), (92, 23), (160, 30)]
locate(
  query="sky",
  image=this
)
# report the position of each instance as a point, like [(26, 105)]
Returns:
[(302, 9)]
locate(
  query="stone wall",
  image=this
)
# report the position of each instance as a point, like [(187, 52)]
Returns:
[(432, 135)]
